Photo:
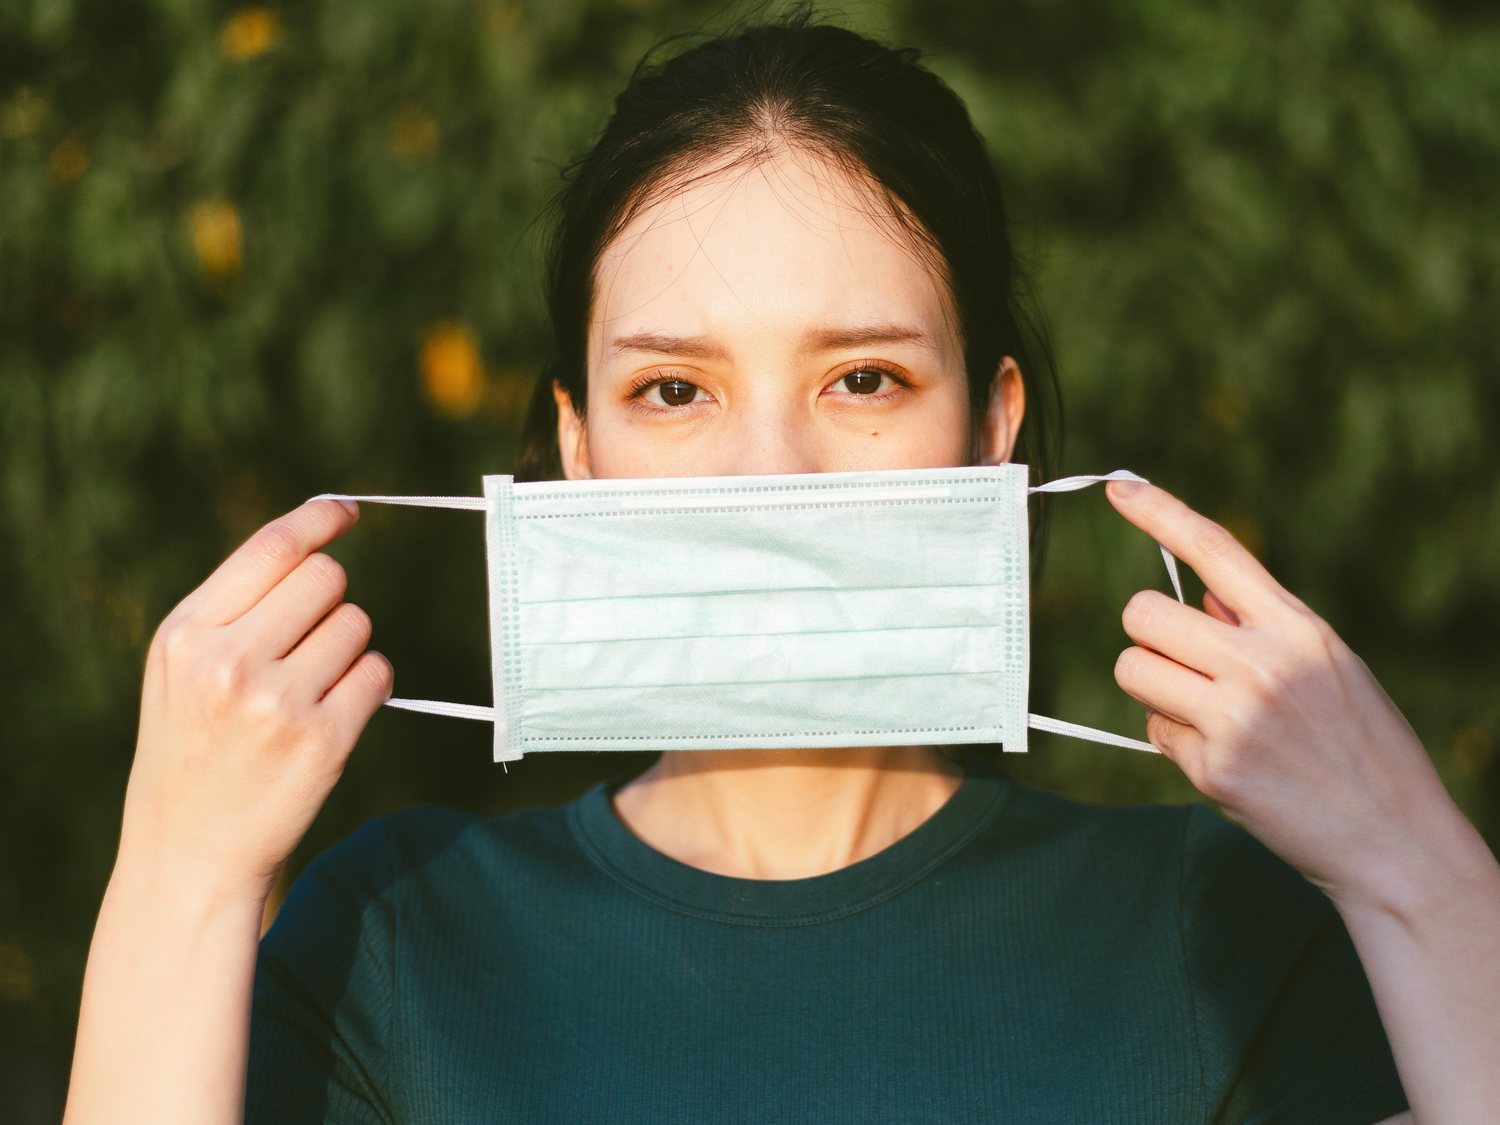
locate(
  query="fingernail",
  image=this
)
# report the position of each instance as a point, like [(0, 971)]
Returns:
[(1123, 488), (350, 506)]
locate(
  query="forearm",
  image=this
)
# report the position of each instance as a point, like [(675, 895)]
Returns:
[(1429, 941), (164, 1025)]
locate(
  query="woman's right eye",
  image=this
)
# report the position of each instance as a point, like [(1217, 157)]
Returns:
[(671, 392)]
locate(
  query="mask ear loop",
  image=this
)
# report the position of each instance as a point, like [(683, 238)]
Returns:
[(1077, 730), (457, 503), (1073, 484)]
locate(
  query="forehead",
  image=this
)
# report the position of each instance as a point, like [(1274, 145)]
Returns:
[(776, 243)]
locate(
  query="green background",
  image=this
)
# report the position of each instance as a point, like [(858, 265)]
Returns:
[(248, 255)]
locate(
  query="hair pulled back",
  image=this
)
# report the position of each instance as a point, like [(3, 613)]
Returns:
[(872, 109)]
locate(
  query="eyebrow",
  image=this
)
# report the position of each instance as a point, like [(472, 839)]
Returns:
[(818, 340)]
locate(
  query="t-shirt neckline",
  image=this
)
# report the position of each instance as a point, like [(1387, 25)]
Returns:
[(787, 902)]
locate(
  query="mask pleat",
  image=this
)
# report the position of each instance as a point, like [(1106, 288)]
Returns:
[(751, 612)]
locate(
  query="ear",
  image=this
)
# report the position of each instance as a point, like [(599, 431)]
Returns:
[(572, 436), (1002, 417)]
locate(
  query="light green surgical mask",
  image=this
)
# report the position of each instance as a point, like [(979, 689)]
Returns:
[(756, 612)]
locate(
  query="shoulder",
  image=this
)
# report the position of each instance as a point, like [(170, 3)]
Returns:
[(424, 850), (1235, 891), (1202, 883), (1281, 1014), (1208, 856)]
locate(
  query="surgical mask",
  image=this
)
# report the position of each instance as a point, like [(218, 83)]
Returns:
[(873, 608)]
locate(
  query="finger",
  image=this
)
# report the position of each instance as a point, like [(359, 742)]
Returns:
[(1163, 685), (326, 653), (1218, 610), (1176, 740), (358, 694), (1179, 632), (267, 557), (1218, 558), (295, 605)]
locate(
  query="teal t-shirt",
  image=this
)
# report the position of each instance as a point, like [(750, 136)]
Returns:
[(1019, 957)]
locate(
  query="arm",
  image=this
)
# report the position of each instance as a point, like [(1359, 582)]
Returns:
[(1428, 935), (1271, 716), (256, 688)]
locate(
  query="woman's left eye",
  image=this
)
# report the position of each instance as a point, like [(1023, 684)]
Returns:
[(863, 381)]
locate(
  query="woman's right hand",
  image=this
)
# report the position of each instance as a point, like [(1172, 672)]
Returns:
[(257, 686)]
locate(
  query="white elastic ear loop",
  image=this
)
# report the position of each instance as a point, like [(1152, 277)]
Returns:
[(1078, 730), (458, 503), (1073, 484)]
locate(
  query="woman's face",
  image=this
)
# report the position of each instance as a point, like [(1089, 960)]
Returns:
[(774, 320)]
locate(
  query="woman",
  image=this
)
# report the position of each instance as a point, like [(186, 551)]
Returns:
[(787, 253)]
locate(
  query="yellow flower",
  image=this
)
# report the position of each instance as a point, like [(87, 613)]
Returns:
[(218, 238), (501, 16), (413, 133), (68, 160), (250, 32), (452, 373)]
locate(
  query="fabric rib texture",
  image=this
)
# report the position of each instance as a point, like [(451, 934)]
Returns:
[(1019, 957)]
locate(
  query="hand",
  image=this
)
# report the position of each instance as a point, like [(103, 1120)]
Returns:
[(1270, 715), (256, 688)]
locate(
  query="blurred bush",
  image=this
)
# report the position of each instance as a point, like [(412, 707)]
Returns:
[(251, 254)]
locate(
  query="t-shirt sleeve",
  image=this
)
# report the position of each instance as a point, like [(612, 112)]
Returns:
[(320, 1016), (1287, 1027)]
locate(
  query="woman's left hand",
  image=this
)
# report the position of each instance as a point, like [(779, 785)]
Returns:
[(1271, 716)]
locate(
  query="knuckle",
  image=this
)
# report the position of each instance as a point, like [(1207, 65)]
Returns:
[(1268, 680), (353, 620), (1212, 768), (1237, 712), (327, 571), (1203, 775), (1156, 502), (228, 676), (267, 703), (1128, 665), (1142, 610), (174, 639), (278, 543), (1212, 540), (1316, 633), (378, 672), (1219, 777), (1160, 731)]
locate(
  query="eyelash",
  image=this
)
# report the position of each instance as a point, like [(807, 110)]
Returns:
[(642, 383)]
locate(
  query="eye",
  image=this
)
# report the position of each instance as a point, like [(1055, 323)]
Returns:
[(867, 380), (670, 392)]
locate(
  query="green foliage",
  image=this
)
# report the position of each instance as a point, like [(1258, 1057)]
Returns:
[(250, 255)]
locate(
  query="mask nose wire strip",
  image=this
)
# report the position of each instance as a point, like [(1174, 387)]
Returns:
[(1076, 730)]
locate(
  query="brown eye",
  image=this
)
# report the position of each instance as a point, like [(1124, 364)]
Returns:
[(675, 392), (862, 382)]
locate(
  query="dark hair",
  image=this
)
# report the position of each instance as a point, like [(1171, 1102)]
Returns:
[(871, 108)]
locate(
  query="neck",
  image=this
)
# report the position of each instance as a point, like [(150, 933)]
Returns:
[(784, 814)]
